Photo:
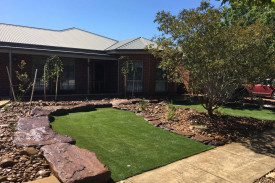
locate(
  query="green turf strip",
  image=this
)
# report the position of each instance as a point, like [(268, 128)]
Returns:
[(124, 142), (262, 114)]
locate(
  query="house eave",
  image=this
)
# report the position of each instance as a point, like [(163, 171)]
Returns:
[(60, 51), (128, 51)]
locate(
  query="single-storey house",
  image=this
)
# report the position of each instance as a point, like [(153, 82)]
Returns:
[(91, 61)]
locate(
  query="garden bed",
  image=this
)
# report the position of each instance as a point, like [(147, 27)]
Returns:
[(191, 123), (19, 164)]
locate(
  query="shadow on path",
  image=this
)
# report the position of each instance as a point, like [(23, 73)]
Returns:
[(262, 143)]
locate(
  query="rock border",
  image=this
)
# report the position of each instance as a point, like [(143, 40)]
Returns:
[(36, 131)]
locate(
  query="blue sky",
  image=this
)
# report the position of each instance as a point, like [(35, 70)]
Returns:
[(117, 19)]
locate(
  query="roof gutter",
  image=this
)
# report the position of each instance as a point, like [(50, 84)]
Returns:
[(48, 51)]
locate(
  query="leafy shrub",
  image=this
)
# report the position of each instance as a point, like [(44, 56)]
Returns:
[(24, 81), (171, 111), (143, 104), (13, 127), (6, 107)]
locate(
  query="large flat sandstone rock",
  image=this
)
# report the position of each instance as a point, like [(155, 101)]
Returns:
[(33, 122), (39, 137), (74, 165)]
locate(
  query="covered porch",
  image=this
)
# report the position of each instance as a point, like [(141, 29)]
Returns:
[(84, 74)]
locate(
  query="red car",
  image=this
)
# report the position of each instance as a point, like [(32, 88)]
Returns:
[(265, 88)]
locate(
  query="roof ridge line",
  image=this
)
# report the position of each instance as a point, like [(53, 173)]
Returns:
[(90, 33), (128, 42), (59, 30), (32, 27), (147, 39), (111, 45)]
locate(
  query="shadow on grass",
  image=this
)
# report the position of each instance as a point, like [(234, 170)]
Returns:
[(111, 181)]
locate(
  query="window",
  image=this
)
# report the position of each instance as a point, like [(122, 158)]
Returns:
[(161, 81), (134, 79), (38, 63), (68, 75)]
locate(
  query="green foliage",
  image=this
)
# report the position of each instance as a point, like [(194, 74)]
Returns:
[(262, 114), (200, 127), (24, 81), (219, 111), (251, 3), (242, 14), (220, 57), (6, 107), (143, 104), (13, 127), (127, 65), (171, 111), (32, 157), (127, 69), (52, 68)]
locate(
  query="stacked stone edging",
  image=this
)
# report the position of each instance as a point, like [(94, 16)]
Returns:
[(69, 163)]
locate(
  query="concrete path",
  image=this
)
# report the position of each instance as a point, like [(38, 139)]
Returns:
[(51, 179), (3, 102), (235, 162)]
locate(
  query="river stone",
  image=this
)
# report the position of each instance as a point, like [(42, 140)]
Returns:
[(57, 110), (29, 151), (72, 164), (101, 104), (6, 162), (33, 122), (155, 123), (2, 178), (203, 139), (82, 108), (39, 137)]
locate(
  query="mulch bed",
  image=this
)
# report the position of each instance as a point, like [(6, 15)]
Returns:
[(19, 164), (220, 130)]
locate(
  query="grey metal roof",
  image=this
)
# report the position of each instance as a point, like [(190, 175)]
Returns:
[(139, 43), (68, 38)]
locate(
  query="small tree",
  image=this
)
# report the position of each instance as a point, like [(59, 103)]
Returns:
[(52, 70), (24, 81), (219, 57), (127, 67)]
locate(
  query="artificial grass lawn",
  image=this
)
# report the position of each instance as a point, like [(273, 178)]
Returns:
[(263, 114), (124, 142)]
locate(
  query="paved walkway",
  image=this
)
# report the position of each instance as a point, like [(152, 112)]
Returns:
[(3, 102), (51, 179), (235, 162)]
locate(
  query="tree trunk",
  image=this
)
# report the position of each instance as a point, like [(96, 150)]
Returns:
[(45, 98), (56, 87), (125, 86), (133, 84), (210, 111)]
